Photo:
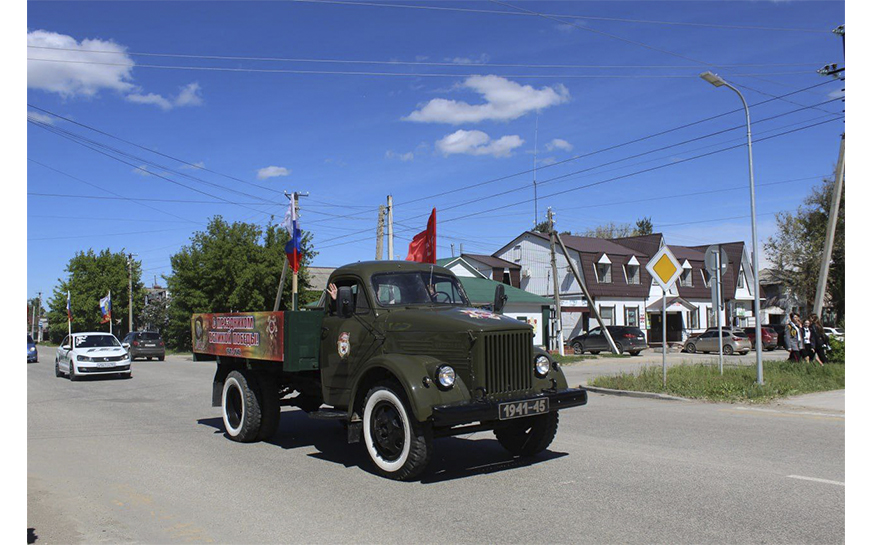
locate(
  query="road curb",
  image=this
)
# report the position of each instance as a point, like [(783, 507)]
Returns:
[(628, 393)]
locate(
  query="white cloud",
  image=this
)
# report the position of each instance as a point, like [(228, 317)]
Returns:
[(42, 118), (405, 157), (82, 74), (142, 170), (838, 93), (477, 143), (189, 95), (558, 143), (505, 100), (78, 76), (195, 166), (150, 98), (548, 161), (483, 58), (272, 172)]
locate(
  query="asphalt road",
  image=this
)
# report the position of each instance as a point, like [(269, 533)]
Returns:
[(145, 460)]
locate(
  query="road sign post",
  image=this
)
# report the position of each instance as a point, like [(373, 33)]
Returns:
[(716, 262), (665, 270)]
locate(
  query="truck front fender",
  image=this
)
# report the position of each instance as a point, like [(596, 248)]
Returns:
[(411, 372)]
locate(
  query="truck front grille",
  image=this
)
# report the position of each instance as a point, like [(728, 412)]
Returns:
[(508, 358)]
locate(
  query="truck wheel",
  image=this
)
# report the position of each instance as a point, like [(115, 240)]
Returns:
[(241, 407), (399, 446), (528, 436), (270, 409)]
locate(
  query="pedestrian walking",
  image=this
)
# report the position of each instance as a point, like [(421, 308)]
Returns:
[(793, 337), (822, 341)]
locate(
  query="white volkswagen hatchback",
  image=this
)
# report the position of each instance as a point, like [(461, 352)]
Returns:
[(84, 354)]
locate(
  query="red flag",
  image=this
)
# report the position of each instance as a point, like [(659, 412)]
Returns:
[(423, 246)]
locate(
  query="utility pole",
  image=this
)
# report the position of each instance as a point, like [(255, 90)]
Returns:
[(35, 316), (390, 227), (130, 292), (38, 311), (832, 223), (380, 232), (835, 200), (559, 317)]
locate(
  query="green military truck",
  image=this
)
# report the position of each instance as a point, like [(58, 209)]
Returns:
[(399, 356)]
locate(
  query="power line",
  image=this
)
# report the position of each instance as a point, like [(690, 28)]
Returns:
[(568, 16), (136, 199), (473, 65), (404, 74)]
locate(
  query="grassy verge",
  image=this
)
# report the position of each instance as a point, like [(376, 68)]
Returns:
[(738, 383), (575, 358)]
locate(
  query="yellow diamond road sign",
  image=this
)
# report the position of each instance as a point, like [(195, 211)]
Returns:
[(664, 268)]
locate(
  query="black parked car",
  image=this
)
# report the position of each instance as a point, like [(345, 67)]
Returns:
[(145, 344), (628, 339)]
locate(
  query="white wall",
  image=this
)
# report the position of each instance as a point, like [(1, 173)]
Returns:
[(533, 314), (535, 256)]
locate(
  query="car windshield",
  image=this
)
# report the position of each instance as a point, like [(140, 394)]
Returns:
[(149, 336), (29, 339), (839, 330), (418, 288), (94, 341)]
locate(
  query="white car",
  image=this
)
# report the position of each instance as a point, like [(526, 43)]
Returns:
[(836, 332), (85, 354)]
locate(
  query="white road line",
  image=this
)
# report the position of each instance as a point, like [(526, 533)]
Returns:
[(815, 479)]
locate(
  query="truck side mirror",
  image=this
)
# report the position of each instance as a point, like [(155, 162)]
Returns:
[(500, 299), (345, 302)]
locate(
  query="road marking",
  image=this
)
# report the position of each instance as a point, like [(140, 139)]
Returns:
[(773, 412), (815, 479)]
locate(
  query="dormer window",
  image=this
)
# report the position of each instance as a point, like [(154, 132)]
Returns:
[(706, 278), (741, 277), (686, 278), (604, 270), (633, 271)]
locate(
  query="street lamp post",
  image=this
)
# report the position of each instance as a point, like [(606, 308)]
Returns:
[(718, 81)]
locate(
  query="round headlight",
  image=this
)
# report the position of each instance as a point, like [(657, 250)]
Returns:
[(543, 365), (445, 376)]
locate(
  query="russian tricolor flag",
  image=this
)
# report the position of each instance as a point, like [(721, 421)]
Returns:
[(294, 247)]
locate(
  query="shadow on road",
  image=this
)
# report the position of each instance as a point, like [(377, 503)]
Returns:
[(454, 457)]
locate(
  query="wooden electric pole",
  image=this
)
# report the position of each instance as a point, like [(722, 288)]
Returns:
[(380, 232), (559, 317), (390, 227)]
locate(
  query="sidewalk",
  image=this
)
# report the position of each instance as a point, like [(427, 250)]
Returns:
[(833, 401)]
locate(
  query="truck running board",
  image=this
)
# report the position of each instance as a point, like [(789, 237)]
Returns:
[(329, 414)]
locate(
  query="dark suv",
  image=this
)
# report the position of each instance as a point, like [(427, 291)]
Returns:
[(627, 339), (145, 344)]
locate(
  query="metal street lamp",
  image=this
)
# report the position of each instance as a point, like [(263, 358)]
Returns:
[(718, 81)]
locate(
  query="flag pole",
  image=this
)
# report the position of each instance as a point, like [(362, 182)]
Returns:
[(69, 316), (294, 283), (110, 312)]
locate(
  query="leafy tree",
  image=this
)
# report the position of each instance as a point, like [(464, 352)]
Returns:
[(644, 226), (155, 315), (40, 312), (230, 267), (798, 244), (90, 277)]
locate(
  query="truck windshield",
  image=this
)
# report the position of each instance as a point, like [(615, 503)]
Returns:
[(418, 288)]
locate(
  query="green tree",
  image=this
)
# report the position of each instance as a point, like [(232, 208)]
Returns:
[(230, 267), (798, 244), (644, 226), (155, 315), (90, 276)]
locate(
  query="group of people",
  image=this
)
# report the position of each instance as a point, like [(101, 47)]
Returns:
[(806, 340)]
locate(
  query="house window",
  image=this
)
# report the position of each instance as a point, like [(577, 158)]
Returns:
[(604, 273), (608, 315), (741, 277), (516, 253), (631, 316), (706, 278), (633, 276), (686, 278), (694, 319)]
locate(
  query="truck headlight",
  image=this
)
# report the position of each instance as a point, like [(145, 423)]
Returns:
[(32, 349), (445, 376), (543, 365)]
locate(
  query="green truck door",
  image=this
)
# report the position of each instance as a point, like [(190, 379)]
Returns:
[(345, 345)]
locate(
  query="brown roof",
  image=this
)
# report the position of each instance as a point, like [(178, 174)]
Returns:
[(491, 261), (735, 251), (647, 244)]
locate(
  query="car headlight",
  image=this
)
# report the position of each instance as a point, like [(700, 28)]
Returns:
[(32, 349), (84, 358), (543, 365), (445, 376)]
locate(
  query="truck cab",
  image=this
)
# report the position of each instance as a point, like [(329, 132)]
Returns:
[(401, 358)]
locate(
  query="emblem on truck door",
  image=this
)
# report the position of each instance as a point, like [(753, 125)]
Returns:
[(343, 346)]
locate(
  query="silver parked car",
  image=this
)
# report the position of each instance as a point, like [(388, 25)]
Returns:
[(735, 342)]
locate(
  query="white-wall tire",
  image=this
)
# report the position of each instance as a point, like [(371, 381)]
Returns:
[(385, 417), (240, 407)]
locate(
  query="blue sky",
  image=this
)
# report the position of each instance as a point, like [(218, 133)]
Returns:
[(351, 139)]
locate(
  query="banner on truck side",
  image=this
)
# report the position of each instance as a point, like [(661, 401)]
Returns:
[(253, 335)]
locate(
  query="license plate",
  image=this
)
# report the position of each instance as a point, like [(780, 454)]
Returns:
[(149, 345), (519, 409), (105, 364)]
